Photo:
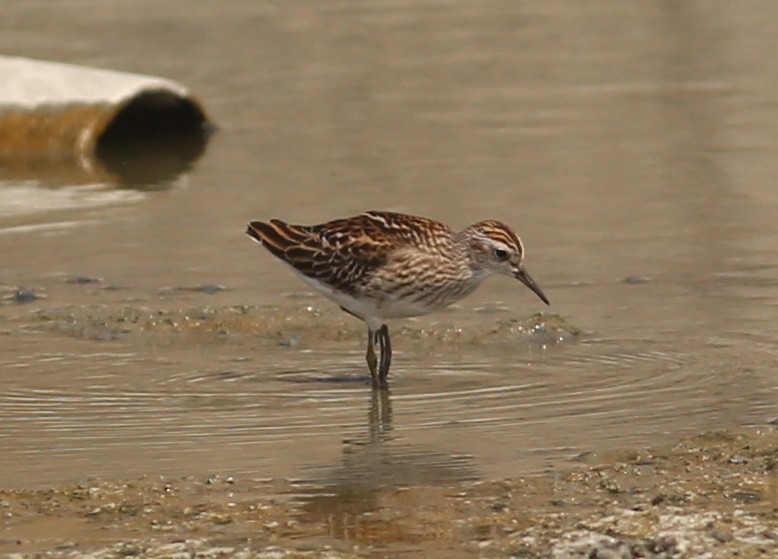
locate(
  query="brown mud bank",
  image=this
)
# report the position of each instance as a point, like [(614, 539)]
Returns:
[(712, 495), (290, 325)]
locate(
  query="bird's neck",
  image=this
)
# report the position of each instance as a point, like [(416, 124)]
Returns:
[(469, 247)]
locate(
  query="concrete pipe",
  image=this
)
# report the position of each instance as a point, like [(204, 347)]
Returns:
[(62, 123)]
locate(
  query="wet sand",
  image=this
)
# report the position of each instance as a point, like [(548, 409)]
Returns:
[(713, 495)]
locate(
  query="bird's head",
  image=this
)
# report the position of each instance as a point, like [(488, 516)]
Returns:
[(495, 248)]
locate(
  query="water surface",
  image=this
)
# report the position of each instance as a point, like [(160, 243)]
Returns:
[(631, 145)]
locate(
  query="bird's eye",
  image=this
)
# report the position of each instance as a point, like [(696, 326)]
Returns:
[(501, 254)]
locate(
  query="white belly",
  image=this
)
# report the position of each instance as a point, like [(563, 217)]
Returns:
[(375, 310)]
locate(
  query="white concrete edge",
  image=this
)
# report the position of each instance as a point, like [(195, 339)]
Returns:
[(26, 84)]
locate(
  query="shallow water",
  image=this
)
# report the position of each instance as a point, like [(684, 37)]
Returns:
[(631, 145)]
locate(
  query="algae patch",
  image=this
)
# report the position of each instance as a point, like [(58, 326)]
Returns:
[(286, 326)]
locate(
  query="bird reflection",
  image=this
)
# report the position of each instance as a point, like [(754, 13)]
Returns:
[(380, 415), (377, 472)]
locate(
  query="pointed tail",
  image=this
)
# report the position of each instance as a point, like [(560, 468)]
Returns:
[(276, 235)]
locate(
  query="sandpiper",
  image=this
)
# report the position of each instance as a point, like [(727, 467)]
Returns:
[(381, 265)]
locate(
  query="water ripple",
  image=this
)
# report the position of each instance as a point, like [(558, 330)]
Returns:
[(288, 418)]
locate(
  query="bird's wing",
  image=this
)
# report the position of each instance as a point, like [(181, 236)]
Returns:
[(339, 253), (344, 253)]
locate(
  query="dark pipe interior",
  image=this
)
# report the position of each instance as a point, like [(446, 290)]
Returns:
[(154, 114), (153, 138)]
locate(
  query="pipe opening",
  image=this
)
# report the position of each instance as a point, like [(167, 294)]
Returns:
[(153, 115), (153, 137)]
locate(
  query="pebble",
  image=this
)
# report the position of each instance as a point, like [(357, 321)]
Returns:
[(83, 280), (24, 295), (722, 535)]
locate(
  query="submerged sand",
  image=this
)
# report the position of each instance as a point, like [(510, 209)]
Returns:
[(713, 495)]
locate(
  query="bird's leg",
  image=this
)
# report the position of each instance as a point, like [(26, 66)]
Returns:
[(370, 357), (372, 361), (386, 355)]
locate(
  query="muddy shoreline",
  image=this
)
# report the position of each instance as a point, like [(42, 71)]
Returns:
[(168, 319), (712, 495)]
